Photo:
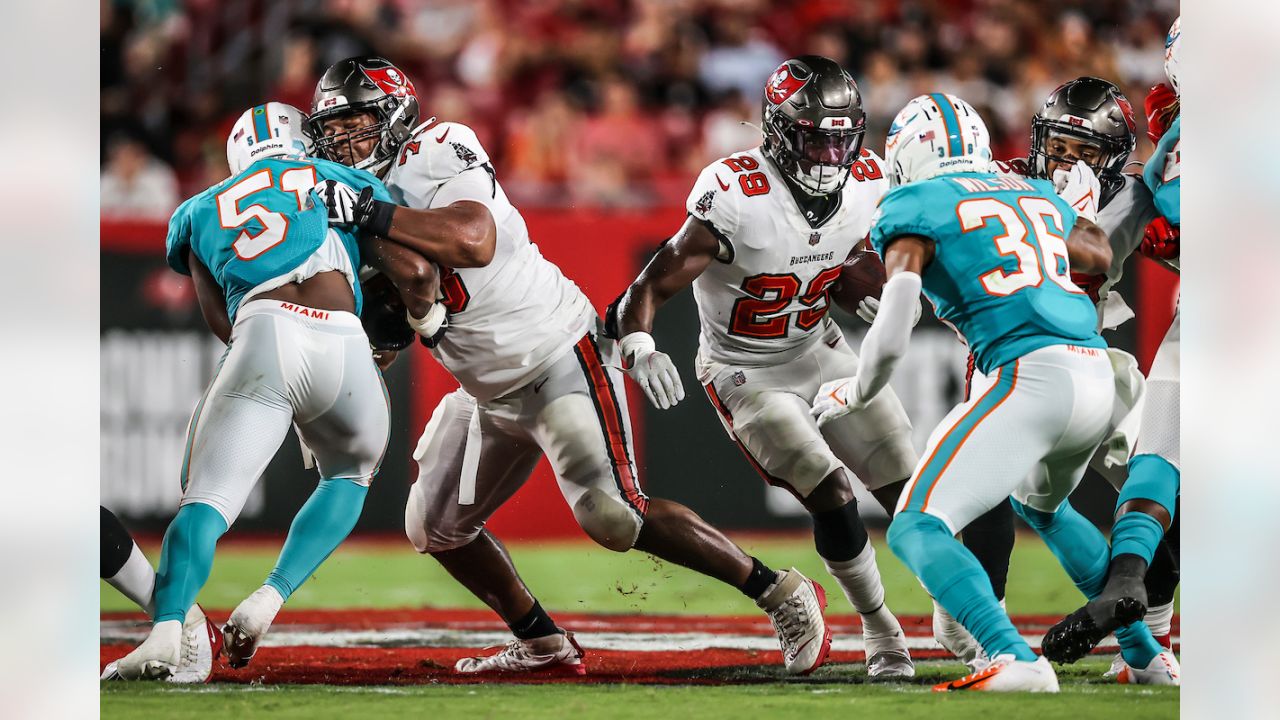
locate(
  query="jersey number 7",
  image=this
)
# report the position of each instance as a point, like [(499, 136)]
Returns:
[(1034, 261), (248, 246)]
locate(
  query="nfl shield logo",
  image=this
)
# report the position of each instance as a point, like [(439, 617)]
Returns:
[(815, 238), (739, 379)]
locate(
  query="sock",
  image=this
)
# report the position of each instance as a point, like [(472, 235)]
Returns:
[(317, 530), (954, 578), (839, 534), (186, 559), (1160, 620), (114, 543), (1079, 546), (123, 564), (859, 578), (759, 581), (990, 538), (1138, 646), (535, 624), (1136, 533)]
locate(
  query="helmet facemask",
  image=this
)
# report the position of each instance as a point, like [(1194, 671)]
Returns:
[(390, 134), (817, 160), (1111, 153)]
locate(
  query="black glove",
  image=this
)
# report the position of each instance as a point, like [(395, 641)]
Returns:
[(383, 315), (346, 207)]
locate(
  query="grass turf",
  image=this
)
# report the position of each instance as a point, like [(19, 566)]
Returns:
[(1083, 695), (578, 576)]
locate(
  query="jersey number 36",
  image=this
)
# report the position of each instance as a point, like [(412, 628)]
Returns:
[(1047, 258), (248, 246)]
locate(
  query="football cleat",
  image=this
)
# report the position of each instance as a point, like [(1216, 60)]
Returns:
[(1005, 674), (553, 654), (888, 656), (953, 636), (157, 657), (201, 645), (795, 604), (1162, 670), (248, 623), (1079, 633)]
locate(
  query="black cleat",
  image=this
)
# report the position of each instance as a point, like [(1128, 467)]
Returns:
[(1079, 633)]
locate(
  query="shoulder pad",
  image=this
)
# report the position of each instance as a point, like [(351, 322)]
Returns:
[(715, 197), (436, 154)]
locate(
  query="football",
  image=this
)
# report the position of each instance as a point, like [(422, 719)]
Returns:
[(862, 275)]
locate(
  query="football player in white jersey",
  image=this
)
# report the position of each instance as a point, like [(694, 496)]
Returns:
[(1085, 120), (522, 341), (766, 236)]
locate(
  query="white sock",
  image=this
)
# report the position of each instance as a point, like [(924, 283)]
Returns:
[(136, 580), (859, 578), (1160, 619)]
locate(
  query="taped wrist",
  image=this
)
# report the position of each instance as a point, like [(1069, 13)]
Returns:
[(432, 325), (633, 344)]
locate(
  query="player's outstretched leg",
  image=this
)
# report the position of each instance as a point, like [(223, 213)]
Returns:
[(793, 602), (841, 541), (320, 526), (1144, 511), (1083, 553), (953, 576), (126, 569), (990, 538)]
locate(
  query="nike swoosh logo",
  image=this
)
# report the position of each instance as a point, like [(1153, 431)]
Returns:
[(722, 185), (445, 135), (538, 385)]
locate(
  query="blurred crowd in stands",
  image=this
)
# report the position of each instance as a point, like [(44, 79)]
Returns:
[(614, 103)]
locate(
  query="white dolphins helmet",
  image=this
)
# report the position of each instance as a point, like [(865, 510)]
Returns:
[(1172, 54), (933, 135), (269, 130)]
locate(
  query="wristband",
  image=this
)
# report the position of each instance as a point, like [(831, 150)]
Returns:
[(374, 215)]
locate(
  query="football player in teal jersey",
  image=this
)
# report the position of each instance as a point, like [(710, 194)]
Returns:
[(994, 255), (1147, 503), (278, 284)]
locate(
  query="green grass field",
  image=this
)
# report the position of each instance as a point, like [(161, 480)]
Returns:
[(579, 577)]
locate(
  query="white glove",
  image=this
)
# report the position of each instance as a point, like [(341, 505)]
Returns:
[(835, 399), (1080, 188), (653, 371), (870, 305), (340, 199)]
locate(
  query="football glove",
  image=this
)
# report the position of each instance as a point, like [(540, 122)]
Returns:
[(1079, 188), (383, 315), (653, 371), (1161, 107), (1161, 240), (835, 399), (348, 208)]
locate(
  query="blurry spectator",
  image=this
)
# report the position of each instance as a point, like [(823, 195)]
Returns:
[(724, 131), (298, 73), (740, 58), (614, 150), (135, 184)]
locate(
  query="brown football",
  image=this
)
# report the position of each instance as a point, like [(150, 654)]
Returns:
[(862, 275)]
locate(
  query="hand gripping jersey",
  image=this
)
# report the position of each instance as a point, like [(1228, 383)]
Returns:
[(765, 299), (513, 318), (1124, 216), (999, 271), (1163, 173), (254, 230)]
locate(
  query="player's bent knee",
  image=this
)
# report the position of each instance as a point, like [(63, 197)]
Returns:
[(912, 533), (607, 520), (1038, 519)]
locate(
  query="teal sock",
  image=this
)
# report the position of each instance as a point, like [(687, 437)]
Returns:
[(1136, 533), (186, 557), (1152, 478), (1080, 547), (955, 578), (1138, 645), (319, 527)]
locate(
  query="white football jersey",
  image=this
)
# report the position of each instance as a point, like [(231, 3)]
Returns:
[(765, 299), (509, 320), (1124, 218)]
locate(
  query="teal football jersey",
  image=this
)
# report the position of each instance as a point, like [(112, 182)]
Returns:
[(999, 273), (262, 223), (1163, 173)]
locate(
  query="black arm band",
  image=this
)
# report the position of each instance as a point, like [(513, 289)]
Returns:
[(378, 218)]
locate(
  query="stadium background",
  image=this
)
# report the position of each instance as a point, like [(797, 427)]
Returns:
[(598, 116)]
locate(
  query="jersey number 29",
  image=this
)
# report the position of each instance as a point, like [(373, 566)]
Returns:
[(247, 246), (1034, 261)]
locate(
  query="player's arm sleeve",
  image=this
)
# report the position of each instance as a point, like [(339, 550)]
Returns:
[(178, 240), (887, 340), (713, 201)]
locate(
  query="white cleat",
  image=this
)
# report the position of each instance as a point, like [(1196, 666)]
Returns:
[(795, 604), (888, 656), (1005, 674), (1162, 670), (248, 623), (552, 654), (157, 657), (953, 636), (201, 645)]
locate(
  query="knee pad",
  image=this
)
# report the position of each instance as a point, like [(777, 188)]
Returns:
[(1153, 478), (607, 520)]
